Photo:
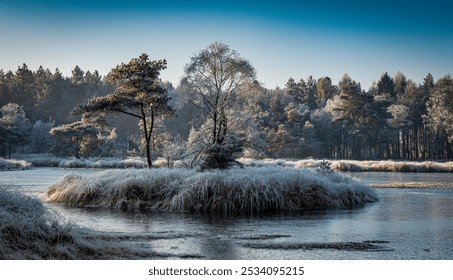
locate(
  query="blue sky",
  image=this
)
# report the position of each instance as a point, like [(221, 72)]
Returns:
[(281, 39)]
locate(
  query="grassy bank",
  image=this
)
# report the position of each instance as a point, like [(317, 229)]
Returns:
[(359, 165), (36, 160), (12, 164), (29, 230), (238, 190)]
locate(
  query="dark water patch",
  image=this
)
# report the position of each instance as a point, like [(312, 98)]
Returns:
[(342, 246), (263, 237), (189, 257), (377, 241), (143, 237)]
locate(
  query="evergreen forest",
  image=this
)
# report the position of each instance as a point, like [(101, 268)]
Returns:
[(396, 118)]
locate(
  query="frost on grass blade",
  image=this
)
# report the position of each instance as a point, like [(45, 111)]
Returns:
[(237, 190), (29, 230)]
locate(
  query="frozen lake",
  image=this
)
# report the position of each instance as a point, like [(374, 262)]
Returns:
[(407, 223)]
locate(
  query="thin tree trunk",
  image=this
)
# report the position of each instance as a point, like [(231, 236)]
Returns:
[(416, 144), (147, 138)]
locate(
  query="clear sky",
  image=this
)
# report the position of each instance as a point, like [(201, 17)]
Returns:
[(281, 38)]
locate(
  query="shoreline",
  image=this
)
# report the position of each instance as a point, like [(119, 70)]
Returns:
[(409, 185), (29, 161)]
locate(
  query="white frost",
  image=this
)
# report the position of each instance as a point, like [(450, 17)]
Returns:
[(250, 189)]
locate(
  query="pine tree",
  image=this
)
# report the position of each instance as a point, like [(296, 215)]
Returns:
[(386, 86), (139, 93), (15, 128), (24, 84), (77, 75)]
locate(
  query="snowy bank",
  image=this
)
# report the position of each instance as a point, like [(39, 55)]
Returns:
[(12, 164), (104, 163), (358, 165), (390, 166), (36, 160), (29, 230), (236, 190)]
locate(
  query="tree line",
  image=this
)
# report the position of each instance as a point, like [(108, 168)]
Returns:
[(219, 109)]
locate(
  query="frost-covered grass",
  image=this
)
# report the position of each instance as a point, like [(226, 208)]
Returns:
[(52, 161), (358, 165), (26, 161), (102, 163), (393, 166), (12, 164), (236, 190), (29, 230)]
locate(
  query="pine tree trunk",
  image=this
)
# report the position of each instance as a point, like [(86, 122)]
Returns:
[(416, 144), (147, 137)]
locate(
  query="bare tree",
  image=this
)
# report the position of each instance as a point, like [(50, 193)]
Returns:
[(215, 76)]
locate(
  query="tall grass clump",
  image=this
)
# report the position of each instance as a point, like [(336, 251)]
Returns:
[(29, 230), (236, 190)]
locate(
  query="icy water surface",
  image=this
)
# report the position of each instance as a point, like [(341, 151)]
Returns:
[(407, 223), (399, 179)]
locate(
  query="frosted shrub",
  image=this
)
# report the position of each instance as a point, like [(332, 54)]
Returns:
[(221, 156), (236, 190), (11, 164)]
